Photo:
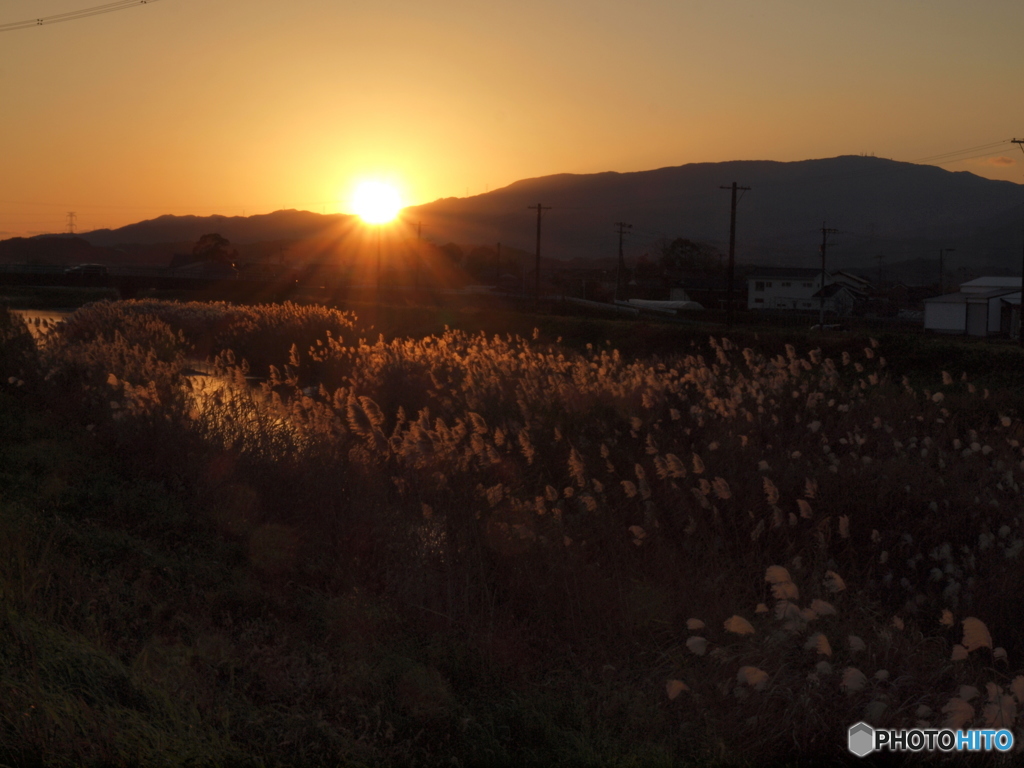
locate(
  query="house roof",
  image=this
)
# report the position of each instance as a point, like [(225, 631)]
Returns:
[(832, 289), (963, 298), (864, 282), (985, 283)]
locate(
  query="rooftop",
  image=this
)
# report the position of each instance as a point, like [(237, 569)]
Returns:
[(986, 283)]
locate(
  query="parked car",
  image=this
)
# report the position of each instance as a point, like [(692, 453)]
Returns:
[(87, 270)]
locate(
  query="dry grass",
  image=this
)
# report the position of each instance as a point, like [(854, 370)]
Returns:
[(558, 517)]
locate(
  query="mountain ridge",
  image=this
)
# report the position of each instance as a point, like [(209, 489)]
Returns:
[(901, 210)]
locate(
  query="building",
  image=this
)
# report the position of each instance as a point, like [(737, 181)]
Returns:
[(840, 299), (985, 306), (860, 285), (800, 289), (784, 288)]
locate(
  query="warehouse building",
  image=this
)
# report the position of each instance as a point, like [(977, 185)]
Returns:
[(986, 306)]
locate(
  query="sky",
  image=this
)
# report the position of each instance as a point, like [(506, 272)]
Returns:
[(240, 107)]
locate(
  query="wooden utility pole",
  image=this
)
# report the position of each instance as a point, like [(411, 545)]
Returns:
[(418, 255), (620, 270), (825, 232), (1020, 313), (536, 285), (378, 264), (731, 275)]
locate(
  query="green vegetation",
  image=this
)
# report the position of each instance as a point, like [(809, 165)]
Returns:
[(402, 544)]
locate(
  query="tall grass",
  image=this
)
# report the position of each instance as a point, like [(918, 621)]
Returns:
[(727, 552)]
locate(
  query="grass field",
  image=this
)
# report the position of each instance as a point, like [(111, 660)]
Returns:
[(423, 536)]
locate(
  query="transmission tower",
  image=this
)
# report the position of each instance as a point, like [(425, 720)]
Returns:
[(71, 222)]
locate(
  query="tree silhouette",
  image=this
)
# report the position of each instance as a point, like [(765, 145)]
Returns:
[(684, 255), (213, 247)]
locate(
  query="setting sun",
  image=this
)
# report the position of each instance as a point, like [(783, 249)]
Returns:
[(376, 202)]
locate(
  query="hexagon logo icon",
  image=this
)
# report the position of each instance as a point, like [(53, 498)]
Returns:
[(861, 739)]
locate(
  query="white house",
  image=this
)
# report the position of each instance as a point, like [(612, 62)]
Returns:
[(982, 307), (784, 288), (800, 289)]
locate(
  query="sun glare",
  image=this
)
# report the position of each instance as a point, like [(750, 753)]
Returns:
[(376, 202)]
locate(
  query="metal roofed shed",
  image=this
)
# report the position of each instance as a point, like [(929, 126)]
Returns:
[(982, 307), (983, 284)]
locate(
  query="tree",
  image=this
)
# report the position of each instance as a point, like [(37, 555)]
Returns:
[(213, 247), (685, 255)]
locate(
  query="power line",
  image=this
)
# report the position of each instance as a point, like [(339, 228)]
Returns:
[(965, 151), (82, 13)]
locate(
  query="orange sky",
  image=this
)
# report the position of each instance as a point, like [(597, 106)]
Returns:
[(232, 107)]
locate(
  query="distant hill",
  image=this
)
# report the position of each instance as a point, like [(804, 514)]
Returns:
[(279, 225), (155, 242), (901, 210), (56, 249)]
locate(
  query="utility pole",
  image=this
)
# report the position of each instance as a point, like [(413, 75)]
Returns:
[(620, 271), (731, 275), (942, 269), (417, 257), (1020, 313), (71, 222), (536, 285), (378, 264), (825, 232)]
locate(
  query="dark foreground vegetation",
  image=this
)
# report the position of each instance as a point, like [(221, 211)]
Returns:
[(400, 545)]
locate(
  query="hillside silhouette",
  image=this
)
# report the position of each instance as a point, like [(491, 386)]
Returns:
[(900, 211)]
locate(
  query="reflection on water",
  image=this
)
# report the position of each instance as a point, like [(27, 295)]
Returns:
[(39, 321), (235, 403), (238, 411)]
